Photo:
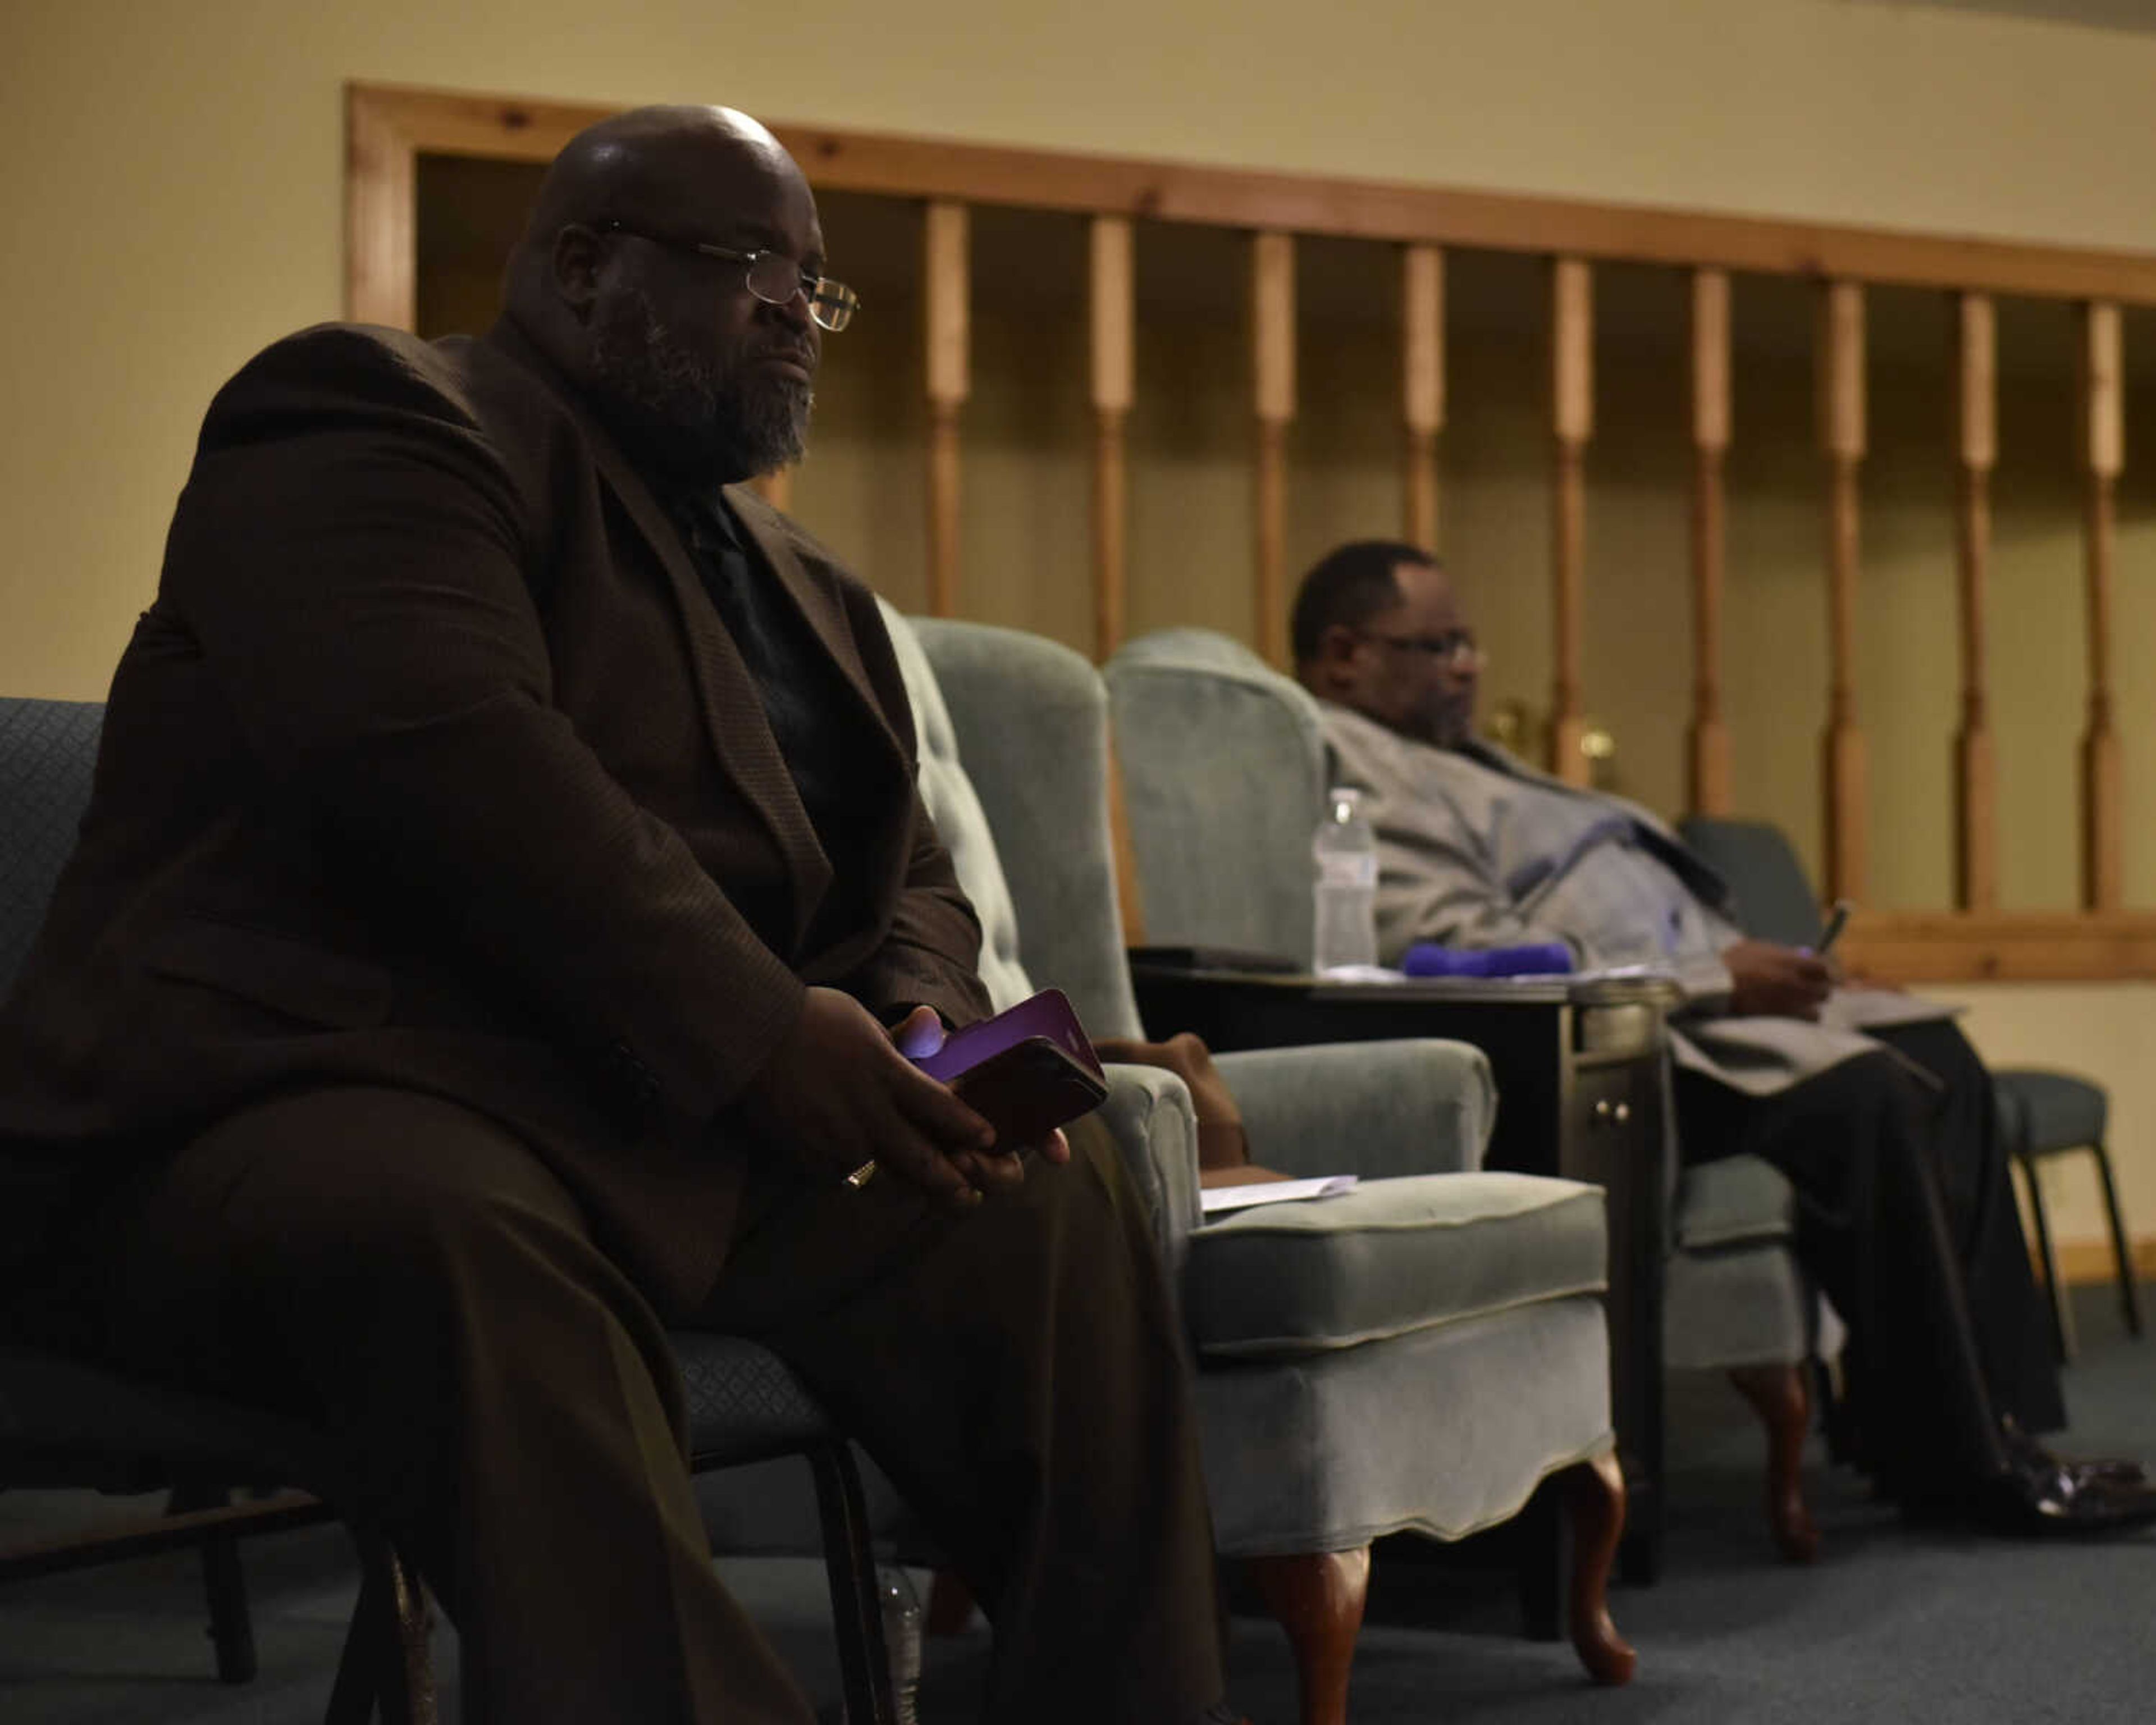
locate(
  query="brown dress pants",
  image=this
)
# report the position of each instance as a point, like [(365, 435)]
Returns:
[(407, 1271)]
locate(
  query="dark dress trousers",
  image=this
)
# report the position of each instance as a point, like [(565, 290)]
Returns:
[(443, 886)]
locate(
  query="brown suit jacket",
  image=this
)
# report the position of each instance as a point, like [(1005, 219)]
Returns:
[(431, 765)]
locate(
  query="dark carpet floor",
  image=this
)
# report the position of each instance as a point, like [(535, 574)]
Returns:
[(1892, 1623)]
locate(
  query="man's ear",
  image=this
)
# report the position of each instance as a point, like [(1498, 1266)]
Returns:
[(574, 269), (1333, 668)]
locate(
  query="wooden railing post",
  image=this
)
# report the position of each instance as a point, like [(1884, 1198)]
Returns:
[(1708, 745), (381, 214), (1272, 298), (1114, 369), (1841, 436), (950, 331), (1422, 377), (1976, 861), (1572, 405), (2103, 456)]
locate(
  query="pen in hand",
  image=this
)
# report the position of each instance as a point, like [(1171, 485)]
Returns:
[(1837, 919)]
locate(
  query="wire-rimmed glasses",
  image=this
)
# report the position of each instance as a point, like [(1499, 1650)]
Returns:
[(773, 277), (1455, 650)]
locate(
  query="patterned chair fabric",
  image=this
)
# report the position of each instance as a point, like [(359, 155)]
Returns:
[(48, 752)]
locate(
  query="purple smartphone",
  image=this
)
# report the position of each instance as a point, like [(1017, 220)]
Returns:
[(1026, 1071)]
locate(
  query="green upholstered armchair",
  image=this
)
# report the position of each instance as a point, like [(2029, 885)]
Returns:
[(1421, 1355), (1223, 767)]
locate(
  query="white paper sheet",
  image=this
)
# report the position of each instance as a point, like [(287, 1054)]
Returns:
[(1215, 1199)]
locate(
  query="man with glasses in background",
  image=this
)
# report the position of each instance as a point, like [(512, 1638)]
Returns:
[(1876, 1107), (503, 897)]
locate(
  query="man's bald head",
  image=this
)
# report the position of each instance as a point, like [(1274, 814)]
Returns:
[(642, 167), (697, 376)]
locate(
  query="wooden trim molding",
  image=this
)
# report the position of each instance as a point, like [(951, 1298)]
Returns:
[(386, 128), (2004, 945), (395, 123)]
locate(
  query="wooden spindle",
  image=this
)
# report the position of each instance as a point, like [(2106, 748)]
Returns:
[(1272, 295), (1976, 856), (1422, 377), (1841, 438), (2103, 457), (1707, 744), (1572, 348), (776, 487), (949, 342), (1113, 298)]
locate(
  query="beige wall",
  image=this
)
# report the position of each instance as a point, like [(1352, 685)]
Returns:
[(173, 184), (173, 202)]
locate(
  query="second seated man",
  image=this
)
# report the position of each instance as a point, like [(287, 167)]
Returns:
[(1876, 1107)]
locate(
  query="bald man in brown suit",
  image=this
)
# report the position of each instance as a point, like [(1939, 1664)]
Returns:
[(504, 884)]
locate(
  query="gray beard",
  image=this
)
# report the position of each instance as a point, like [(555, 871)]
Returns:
[(715, 421)]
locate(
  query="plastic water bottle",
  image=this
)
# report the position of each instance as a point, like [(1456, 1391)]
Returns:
[(901, 1636), (1345, 848)]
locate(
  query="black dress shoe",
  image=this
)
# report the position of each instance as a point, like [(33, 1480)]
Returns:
[(2062, 1498), (2025, 1452)]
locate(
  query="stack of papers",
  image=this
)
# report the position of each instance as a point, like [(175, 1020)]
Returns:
[(1214, 1199)]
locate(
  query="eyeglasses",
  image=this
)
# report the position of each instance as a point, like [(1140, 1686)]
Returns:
[(1455, 650), (773, 277)]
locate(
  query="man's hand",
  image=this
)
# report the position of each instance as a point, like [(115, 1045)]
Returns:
[(1768, 981), (839, 1095), (918, 1034)]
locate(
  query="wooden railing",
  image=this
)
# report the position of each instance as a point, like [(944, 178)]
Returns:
[(389, 128)]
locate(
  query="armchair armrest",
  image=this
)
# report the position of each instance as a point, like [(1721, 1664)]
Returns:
[(1149, 1114), (1375, 1109)]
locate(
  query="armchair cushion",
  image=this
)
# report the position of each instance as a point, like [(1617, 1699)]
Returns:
[(1374, 1109), (1747, 1304), (1389, 1258), (1148, 1113), (1732, 1199)]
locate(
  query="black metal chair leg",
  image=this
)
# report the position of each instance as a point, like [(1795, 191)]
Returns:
[(231, 1627), (850, 1566), (387, 1664), (2129, 1297), (224, 1582), (359, 1669), (2062, 1319), (410, 1698)]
